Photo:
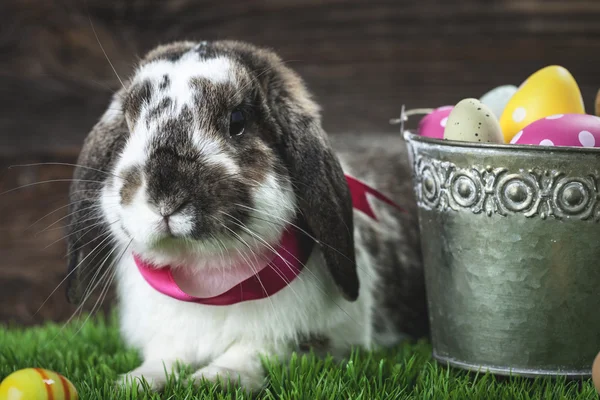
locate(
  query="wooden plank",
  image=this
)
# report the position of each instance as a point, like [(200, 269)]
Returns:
[(363, 59), (32, 249)]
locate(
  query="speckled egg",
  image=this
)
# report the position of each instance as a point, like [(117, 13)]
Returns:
[(37, 384), (433, 124), (596, 373), (549, 91), (575, 130), (472, 121), (497, 98)]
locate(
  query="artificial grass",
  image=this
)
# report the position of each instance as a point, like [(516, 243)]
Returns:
[(92, 355)]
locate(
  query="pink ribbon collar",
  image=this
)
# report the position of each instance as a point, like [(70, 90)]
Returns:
[(242, 282)]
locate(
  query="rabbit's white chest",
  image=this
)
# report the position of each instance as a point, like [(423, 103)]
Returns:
[(163, 327)]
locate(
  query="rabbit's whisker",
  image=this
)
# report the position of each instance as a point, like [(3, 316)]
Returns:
[(221, 247), (107, 285), (53, 212), (79, 308), (104, 51), (252, 266), (92, 207), (287, 263), (96, 272), (87, 229), (66, 165), (317, 241), (49, 181), (84, 275), (90, 216), (264, 243), (71, 272), (105, 233)]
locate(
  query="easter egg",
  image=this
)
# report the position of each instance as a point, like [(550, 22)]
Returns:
[(598, 103), (37, 384), (576, 130), (549, 91), (596, 373), (472, 121), (497, 98), (433, 124)]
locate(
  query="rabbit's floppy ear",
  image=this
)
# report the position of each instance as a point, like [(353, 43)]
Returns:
[(323, 196), (89, 245), (317, 176)]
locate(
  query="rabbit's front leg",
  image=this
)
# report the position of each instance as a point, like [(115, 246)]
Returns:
[(162, 357), (154, 372), (241, 365)]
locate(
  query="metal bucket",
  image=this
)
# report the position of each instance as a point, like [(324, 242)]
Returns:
[(511, 245)]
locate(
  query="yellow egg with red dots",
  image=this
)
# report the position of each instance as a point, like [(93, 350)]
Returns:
[(549, 91), (37, 384)]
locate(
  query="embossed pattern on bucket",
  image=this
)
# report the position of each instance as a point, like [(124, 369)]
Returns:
[(510, 238)]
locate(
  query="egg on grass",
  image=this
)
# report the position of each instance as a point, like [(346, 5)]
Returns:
[(37, 384)]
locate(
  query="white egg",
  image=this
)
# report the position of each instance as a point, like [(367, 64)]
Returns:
[(497, 98), (472, 121)]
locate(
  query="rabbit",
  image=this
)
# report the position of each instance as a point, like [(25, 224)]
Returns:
[(210, 156)]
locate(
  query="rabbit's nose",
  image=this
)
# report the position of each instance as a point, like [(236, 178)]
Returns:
[(167, 208)]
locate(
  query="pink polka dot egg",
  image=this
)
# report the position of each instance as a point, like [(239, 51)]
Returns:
[(433, 124), (572, 130)]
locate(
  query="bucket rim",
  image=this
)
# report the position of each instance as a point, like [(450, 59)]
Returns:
[(410, 136)]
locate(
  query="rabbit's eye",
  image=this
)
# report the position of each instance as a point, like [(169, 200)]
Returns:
[(237, 123)]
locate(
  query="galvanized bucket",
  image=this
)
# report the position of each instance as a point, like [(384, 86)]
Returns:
[(511, 246)]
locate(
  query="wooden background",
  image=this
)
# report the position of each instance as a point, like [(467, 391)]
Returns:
[(362, 59)]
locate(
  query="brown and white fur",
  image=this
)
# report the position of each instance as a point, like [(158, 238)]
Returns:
[(166, 174)]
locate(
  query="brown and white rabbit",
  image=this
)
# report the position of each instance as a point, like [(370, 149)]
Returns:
[(210, 170)]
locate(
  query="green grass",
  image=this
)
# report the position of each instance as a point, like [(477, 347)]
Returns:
[(93, 357)]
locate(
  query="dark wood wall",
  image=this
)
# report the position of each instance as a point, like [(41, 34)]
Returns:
[(362, 59)]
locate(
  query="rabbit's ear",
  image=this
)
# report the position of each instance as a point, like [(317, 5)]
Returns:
[(323, 196), (89, 245)]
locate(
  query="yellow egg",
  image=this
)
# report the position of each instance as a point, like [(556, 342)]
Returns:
[(549, 91), (37, 384)]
